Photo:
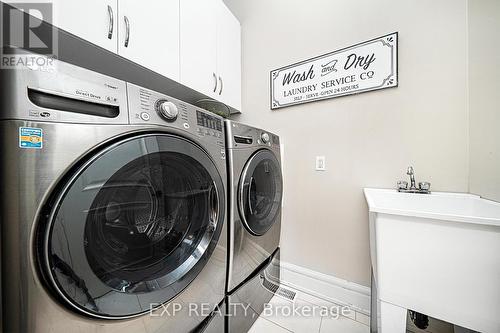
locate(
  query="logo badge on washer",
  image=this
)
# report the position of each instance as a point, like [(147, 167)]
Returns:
[(30, 137)]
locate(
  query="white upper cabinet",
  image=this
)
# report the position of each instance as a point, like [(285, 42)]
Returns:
[(228, 57), (195, 42), (198, 56), (149, 34), (211, 50), (92, 20)]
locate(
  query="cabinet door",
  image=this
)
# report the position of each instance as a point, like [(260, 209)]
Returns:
[(228, 57), (198, 45), (93, 20), (149, 34)]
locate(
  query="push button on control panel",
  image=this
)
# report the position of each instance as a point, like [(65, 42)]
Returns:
[(145, 116)]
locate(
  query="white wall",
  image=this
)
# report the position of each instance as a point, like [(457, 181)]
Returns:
[(369, 139), (484, 103)]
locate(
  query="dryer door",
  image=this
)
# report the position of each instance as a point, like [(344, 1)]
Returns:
[(133, 226), (260, 192)]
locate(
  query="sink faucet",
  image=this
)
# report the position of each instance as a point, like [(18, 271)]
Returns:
[(411, 173), (423, 187)]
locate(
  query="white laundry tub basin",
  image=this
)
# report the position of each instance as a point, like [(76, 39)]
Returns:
[(437, 254)]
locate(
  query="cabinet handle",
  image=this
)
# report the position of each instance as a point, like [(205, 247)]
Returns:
[(215, 82), (110, 22), (221, 85), (127, 30)]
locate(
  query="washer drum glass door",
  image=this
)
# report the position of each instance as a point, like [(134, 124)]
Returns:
[(260, 192), (132, 227)]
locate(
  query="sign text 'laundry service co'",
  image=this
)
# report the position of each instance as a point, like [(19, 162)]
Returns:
[(371, 65)]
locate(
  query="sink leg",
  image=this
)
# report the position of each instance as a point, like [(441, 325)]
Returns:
[(392, 318)]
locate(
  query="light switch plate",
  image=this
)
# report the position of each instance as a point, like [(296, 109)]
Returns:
[(320, 163)]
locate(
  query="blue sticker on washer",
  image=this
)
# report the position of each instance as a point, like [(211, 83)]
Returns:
[(30, 137)]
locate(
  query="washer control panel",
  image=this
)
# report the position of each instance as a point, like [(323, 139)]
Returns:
[(150, 107)]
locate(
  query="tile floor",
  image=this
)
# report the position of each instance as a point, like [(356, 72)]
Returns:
[(309, 314), (315, 315)]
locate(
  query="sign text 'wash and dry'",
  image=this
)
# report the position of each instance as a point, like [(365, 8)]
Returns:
[(371, 65)]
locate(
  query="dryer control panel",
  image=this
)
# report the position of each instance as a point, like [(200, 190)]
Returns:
[(150, 107), (244, 136)]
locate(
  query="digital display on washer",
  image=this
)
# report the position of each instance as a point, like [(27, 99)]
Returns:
[(208, 121)]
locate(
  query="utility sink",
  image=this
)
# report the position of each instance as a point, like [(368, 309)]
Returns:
[(437, 254)]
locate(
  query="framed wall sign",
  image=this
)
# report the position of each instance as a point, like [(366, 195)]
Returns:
[(363, 67)]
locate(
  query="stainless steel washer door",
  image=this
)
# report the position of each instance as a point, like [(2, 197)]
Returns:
[(133, 226), (259, 192)]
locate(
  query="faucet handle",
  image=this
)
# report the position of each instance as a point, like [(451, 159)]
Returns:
[(402, 185), (409, 171), (424, 186)]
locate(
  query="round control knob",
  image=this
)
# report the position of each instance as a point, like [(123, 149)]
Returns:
[(167, 110), (265, 137)]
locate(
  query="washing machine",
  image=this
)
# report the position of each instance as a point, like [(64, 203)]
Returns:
[(112, 205), (256, 190)]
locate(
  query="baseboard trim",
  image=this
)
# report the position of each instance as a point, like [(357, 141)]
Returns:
[(327, 287)]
